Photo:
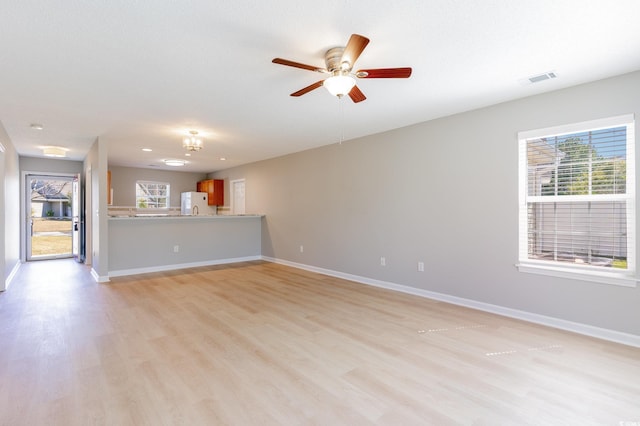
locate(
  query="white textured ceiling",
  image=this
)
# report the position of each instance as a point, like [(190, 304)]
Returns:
[(140, 73)]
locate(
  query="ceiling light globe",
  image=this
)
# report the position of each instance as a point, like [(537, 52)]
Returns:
[(54, 151), (339, 85)]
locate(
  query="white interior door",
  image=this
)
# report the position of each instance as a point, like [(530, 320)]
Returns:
[(237, 196)]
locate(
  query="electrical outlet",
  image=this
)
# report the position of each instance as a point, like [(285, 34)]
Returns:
[(176, 249), (301, 249), (420, 266), (383, 261)]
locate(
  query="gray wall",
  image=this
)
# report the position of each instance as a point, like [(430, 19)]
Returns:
[(146, 244), (123, 182), (444, 192), (9, 209), (97, 226), (49, 165)]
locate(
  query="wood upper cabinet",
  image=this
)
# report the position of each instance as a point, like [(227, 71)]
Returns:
[(215, 189)]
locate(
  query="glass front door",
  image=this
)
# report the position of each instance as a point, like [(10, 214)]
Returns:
[(51, 207)]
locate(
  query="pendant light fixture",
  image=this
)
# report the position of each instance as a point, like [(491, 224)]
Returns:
[(192, 143)]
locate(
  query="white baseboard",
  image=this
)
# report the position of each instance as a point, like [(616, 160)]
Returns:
[(588, 330), (11, 275), (162, 268), (99, 278)]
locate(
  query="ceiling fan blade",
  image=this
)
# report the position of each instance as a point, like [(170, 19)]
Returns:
[(297, 65), (354, 48), (356, 95), (384, 73), (308, 88)]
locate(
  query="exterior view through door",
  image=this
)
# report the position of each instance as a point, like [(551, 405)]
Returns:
[(52, 213)]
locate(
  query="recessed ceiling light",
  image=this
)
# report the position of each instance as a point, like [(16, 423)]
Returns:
[(36, 126), (175, 163), (223, 158), (187, 154), (147, 149)]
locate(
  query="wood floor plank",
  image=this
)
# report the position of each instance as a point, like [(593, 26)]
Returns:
[(261, 343)]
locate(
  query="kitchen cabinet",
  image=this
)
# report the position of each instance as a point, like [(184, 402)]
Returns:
[(215, 189)]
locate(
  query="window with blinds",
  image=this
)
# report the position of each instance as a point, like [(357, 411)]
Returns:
[(577, 197), (152, 195)]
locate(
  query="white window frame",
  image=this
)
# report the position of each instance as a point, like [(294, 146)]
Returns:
[(624, 277), (147, 182)]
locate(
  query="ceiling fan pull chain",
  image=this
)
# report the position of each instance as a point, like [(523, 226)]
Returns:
[(341, 119)]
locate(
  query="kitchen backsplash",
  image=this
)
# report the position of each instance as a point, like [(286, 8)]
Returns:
[(132, 210)]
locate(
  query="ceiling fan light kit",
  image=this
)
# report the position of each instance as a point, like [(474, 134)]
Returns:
[(339, 63), (339, 85)]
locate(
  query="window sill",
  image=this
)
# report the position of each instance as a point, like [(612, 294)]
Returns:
[(613, 278)]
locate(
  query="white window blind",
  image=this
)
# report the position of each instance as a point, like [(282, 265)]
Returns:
[(577, 197)]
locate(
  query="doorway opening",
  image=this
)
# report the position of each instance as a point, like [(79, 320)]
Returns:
[(52, 214)]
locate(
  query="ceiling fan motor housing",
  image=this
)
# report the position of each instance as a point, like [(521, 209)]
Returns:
[(333, 59)]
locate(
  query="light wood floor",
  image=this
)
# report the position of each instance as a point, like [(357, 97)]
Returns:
[(263, 344)]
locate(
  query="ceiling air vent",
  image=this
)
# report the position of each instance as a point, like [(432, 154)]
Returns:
[(542, 77)]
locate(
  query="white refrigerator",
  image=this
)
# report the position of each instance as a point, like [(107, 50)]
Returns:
[(195, 203)]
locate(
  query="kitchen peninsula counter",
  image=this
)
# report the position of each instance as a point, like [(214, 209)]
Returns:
[(140, 243), (179, 216)]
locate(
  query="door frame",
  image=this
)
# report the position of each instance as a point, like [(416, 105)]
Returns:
[(24, 215)]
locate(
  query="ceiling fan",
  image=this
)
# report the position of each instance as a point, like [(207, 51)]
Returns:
[(339, 65)]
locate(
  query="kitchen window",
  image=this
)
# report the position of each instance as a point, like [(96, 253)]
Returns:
[(577, 201), (152, 195)]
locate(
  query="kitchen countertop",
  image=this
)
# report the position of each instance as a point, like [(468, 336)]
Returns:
[(174, 216)]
